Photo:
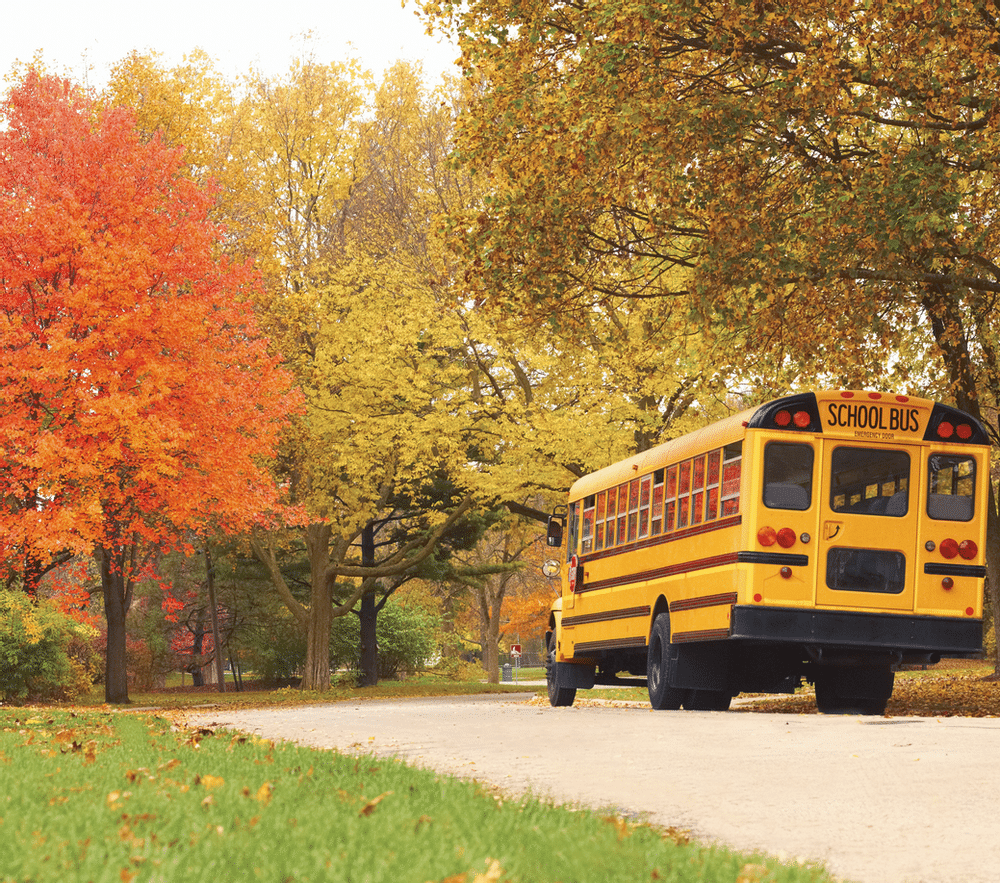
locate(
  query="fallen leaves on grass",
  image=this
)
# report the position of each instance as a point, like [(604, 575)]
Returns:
[(952, 695)]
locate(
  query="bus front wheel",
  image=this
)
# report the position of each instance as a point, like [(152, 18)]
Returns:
[(559, 697), (659, 664)]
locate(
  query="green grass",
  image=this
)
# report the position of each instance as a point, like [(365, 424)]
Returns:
[(410, 688), (106, 796)]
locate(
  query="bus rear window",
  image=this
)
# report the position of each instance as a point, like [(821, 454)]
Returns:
[(788, 470), (870, 481), (952, 483)]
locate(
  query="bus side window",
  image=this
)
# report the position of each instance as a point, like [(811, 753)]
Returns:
[(573, 531), (588, 525), (952, 483), (732, 461), (788, 469)]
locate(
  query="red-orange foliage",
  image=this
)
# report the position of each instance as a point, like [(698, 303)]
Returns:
[(139, 398)]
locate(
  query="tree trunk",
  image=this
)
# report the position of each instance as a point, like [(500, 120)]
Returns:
[(368, 618), (490, 605), (220, 672), (368, 615), (197, 649), (316, 674), (117, 589)]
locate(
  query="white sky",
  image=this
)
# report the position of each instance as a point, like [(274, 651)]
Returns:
[(83, 38)]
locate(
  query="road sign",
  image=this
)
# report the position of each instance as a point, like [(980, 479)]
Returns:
[(515, 651)]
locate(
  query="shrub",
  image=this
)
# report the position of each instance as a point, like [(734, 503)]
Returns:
[(405, 636), (275, 652), (44, 654)]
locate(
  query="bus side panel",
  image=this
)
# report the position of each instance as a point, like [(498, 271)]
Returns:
[(964, 596), (789, 579)]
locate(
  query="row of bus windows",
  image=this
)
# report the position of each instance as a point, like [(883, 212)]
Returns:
[(869, 481), (700, 489)]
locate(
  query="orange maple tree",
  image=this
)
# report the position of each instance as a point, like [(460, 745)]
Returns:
[(140, 401)]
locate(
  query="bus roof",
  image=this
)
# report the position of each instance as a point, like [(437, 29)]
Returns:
[(715, 435), (847, 413)]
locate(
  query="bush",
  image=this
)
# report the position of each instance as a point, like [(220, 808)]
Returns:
[(276, 652), (405, 636), (44, 654)]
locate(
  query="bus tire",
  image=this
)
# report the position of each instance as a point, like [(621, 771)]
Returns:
[(659, 668), (707, 700), (559, 697), (854, 690)]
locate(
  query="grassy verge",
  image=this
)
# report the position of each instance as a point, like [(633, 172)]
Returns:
[(101, 796), (406, 689)]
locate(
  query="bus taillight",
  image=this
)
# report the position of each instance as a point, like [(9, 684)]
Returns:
[(946, 429), (786, 538), (968, 549), (767, 536), (801, 419), (949, 548)]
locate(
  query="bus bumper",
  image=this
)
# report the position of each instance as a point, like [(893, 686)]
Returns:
[(842, 629)]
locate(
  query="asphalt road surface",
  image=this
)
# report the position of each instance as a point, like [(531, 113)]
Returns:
[(876, 800)]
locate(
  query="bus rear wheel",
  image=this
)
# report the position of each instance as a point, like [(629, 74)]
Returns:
[(850, 690), (559, 697), (659, 664), (707, 700)]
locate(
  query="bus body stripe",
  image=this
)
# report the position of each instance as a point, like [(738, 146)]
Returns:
[(660, 572), (683, 533), (703, 601), (773, 558), (607, 615), (704, 635), (976, 570), (611, 644)]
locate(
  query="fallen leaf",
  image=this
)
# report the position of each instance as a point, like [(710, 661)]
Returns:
[(369, 807), (493, 873)]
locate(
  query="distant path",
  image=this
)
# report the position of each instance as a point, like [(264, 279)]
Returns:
[(877, 800)]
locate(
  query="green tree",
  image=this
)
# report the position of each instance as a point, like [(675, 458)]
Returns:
[(816, 180)]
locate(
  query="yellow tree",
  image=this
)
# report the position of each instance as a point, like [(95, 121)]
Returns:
[(825, 173), (344, 191)]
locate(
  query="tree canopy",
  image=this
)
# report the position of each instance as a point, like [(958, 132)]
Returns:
[(140, 399)]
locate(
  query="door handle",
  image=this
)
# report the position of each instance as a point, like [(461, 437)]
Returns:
[(831, 529)]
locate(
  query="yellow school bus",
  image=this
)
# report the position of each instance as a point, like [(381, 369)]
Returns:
[(826, 536)]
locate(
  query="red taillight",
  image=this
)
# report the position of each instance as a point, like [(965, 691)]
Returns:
[(945, 429), (964, 431), (766, 536), (782, 418), (949, 548), (801, 419), (968, 549), (786, 538)]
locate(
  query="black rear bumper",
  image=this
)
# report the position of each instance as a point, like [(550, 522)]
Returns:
[(839, 629)]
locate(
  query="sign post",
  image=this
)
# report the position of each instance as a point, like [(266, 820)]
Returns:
[(515, 654)]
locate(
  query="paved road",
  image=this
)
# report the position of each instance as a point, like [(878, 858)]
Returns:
[(877, 800)]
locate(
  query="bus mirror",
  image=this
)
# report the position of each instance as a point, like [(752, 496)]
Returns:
[(554, 535), (551, 568)]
